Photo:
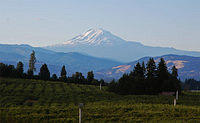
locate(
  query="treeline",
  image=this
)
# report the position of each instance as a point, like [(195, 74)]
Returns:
[(144, 79), (18, 72), (147, 79)]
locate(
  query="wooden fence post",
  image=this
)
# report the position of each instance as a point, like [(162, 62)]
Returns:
[(80, 115)]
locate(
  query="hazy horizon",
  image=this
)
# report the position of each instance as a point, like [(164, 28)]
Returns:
[(153, 23)]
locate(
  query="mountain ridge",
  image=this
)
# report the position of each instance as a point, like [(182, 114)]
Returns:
[(188, 66), (104, 68), (75, 62), (104, 44)]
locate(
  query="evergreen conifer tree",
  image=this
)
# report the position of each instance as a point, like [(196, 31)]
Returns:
[(20, 69), (63, 74), (174, 72), (176, 84), (78, 78), (151, 69), (125, 85), (151, 77), (90, 76), (138, 79), (54, 77), (144, 69), (44, 72), (138, 71), (32, 62), (163, 73), (163, 76), (112, 86)]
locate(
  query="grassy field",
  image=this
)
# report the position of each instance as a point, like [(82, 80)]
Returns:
[(34, 101)]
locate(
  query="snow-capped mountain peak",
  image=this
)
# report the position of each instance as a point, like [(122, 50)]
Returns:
[(102, 43), (95, 37)]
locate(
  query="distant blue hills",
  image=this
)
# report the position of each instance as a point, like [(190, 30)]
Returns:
[(109, 56), (188, 67), (75, 62), (107, 69)]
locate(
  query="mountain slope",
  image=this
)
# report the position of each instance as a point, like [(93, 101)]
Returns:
[(101, 43), (188, 66), (95, 37), (73, 61)]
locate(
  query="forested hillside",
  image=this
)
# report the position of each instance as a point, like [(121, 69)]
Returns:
[(188, 66)]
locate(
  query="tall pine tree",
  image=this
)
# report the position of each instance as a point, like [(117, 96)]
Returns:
[(151, 69), (163, 75), (138, 79), (20, 69), (125, 85), (44, 72), (138, 71), (32, 62), (63, 74), (174, 72), (90, 77), (176, 82), (151, 77)]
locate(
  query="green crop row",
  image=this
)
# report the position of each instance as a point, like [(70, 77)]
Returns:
[(35, 101)]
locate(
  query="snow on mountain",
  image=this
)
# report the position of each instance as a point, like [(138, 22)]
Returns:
[(95, 37), (102, 43)]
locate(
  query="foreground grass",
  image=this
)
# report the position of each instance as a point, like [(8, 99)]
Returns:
[(34, 101), (103, 111)]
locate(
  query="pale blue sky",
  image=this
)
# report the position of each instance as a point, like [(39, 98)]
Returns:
[(167, 23)]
